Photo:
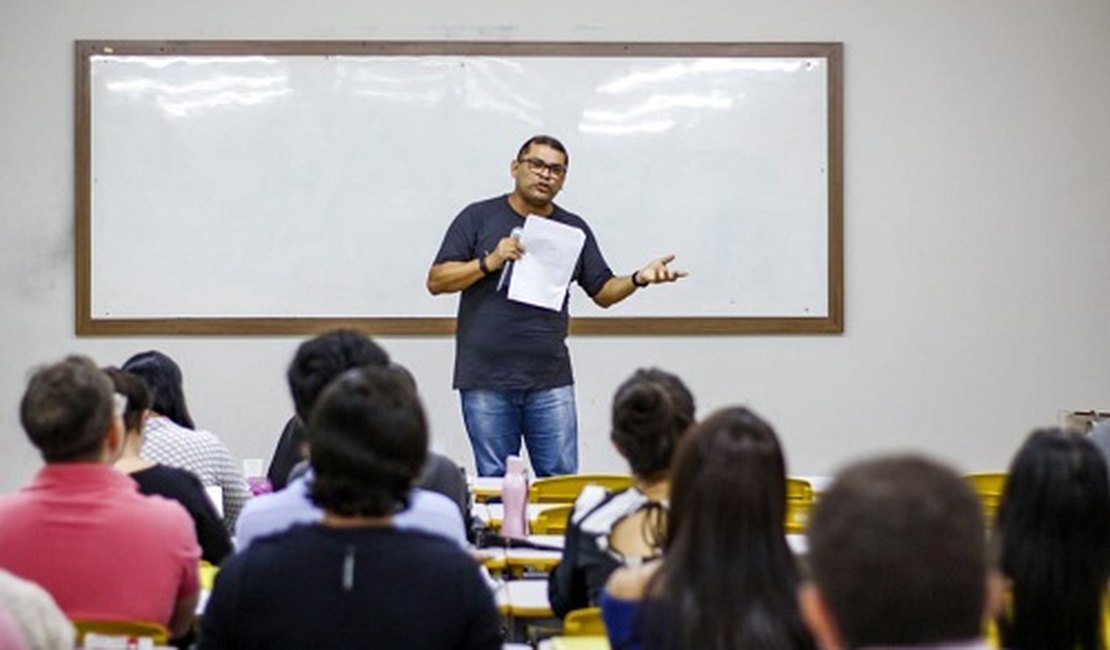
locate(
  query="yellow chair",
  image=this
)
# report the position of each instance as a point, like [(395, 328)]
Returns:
[(989, 486), (140, 629), (799, 501), (206, 573), (553, 520), (565, 489), (584, 622)]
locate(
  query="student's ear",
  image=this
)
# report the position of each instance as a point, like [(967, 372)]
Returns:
[(113, 442), (995, 599), (818, 617)]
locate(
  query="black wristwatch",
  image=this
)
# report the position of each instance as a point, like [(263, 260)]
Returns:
[(482, 263), (635, 277)]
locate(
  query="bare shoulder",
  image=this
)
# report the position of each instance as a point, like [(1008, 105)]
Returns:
[(629, 583)]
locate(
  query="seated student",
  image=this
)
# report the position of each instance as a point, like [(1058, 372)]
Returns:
[(170, 482), (81, 529), (354, 580), (651, 410), (316, 363), (440, 474), (41, 624), (727, 578), (171, 438), (1053, 536), (897, 559), (292, 448)]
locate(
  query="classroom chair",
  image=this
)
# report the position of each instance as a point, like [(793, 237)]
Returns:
[(565, 489), (799, 501), (989, 486), (127, 629), (586, 621), (552, 521)]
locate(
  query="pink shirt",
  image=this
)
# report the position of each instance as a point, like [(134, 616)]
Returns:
[(84, 533)]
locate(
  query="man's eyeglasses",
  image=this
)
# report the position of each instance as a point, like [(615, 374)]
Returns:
[(537, 166)]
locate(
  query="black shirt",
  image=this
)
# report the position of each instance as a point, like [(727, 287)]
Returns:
[(287, 453), (499, 343), (364, 588), (185, 488)]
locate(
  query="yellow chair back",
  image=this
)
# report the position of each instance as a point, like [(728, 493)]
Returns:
[(140, 629), (565, 489), (799, 489), (799, 501), (584, 622), (207, 575), (553, 520), (989, 486)]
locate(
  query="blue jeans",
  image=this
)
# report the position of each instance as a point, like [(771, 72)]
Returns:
[(497, 420)]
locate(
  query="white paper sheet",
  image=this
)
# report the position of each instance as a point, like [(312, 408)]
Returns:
[(542, 275)]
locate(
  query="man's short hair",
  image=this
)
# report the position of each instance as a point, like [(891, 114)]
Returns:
[(546, 141), (897, 548), (67, 409), (321, 359), (369, 441)]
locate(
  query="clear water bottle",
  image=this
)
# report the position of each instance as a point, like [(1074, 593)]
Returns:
[(514, 498)]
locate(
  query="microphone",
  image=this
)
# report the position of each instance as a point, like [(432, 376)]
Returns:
[(507, 268)]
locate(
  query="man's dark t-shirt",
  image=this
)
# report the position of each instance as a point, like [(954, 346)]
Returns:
[(501, 344)]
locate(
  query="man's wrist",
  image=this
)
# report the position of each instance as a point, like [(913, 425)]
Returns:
[(636, 280), (482, 263)]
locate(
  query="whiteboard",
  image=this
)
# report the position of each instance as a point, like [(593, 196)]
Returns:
[(285, 187)]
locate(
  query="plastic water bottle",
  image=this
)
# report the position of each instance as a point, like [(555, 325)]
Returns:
[(514, 498)]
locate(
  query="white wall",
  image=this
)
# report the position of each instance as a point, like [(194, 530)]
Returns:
[(977, 211)]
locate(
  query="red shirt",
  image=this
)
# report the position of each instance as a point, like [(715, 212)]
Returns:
[(84, 533)]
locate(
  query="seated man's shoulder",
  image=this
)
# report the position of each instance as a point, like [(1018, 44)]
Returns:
[(154, 508), (432, 512), (272, 513), (428, 501)]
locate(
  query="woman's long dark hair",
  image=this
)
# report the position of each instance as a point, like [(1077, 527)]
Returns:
[(728, 578), (163, 378), (1053, 534)]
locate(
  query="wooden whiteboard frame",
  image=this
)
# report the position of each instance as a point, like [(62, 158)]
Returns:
[(87, 324)]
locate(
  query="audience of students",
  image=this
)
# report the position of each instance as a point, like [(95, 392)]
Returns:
[(81, 529), (42, 625), (354, 579), (897, 559), (170, 482), (1052, 534), (171, 438), (316, 363), (606, 530), (727, 578), (693, 556)]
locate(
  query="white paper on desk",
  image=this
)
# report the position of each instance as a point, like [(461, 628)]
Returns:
[(541, 276)]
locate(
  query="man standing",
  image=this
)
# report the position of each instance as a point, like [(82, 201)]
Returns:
[(512, 367)]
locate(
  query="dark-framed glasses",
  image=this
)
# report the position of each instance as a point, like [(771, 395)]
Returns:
[(537, 166)]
